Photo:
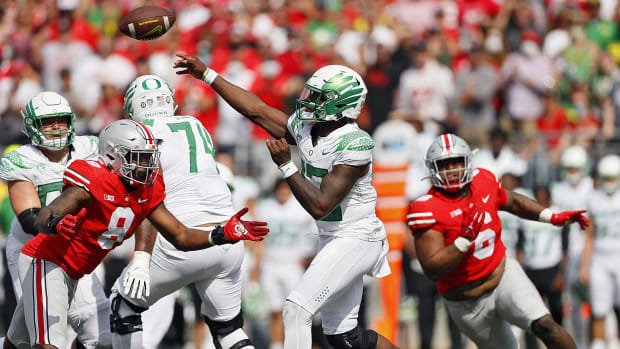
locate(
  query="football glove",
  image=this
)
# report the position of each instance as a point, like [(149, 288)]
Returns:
[(68, 223), (563, 218), (237, 229), (473, 220), (136, 280)]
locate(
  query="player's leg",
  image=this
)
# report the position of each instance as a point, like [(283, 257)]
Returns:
[(277, 281), (477, 319), (89, 314), (47, 294), (519, 303), (167, 275), (13, 250), (577, 294), (221, 301), (601, 300), (156, 321), (333, 285)]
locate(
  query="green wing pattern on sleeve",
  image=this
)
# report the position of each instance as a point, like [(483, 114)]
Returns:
[(356, 141)]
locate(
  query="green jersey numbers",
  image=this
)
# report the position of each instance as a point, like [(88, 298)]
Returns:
[(48, 192), (190, 129)]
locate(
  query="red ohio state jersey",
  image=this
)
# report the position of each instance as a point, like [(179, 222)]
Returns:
[(112, 215), (445, 214)]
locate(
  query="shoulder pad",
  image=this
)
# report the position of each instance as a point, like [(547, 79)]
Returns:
[(420, 215), (357, 141)]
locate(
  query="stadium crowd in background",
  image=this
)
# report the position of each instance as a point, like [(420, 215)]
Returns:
[(521, 79)]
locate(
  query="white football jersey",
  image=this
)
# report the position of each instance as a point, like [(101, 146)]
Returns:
[(605, 211), (28, 163), (542, 245), (195, 192), (292, 234), (566, 197), (510, 232), (347, 145), (510, 226)]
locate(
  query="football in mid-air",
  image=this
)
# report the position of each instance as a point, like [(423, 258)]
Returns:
[(147, 22)]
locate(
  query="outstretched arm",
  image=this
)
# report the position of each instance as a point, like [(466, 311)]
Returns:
[(319, 202), (68, 202), (245, 102), (188, 239), (527, 208)]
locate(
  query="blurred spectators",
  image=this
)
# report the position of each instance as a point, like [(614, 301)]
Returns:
[(543, 73)]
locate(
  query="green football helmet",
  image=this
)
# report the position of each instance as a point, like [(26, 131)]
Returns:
[(331, 93), (147, 97), (43, 106)]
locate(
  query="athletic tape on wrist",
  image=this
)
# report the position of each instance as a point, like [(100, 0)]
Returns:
[(209, 76), (545, 215), (288, 169), (462, 244)]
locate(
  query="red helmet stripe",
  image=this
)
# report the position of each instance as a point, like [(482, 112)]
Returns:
[(148, 133), (447, 142)]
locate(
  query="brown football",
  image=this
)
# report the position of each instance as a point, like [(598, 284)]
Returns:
[(147, 22)]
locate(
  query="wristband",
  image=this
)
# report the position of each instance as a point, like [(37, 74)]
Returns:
[(288, 169), (545, 215), (141, 259), (209, 76), (462, 244), (52, 222)]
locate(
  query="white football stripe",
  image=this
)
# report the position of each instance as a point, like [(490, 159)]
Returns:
[(422, 221), (78, 176), (420, 214), (76, 183), (132, 30), (166, 23)]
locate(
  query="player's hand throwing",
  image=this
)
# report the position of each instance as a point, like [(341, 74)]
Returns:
[(280, 152), (192, 65), (473, 220), (237, 229), (137, 281), (69, 223), (567, 217)]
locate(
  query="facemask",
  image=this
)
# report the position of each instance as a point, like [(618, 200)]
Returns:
[(609, 187), (573, 178), (529, 48)]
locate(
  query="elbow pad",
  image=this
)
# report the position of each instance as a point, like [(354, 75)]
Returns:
[(28, 220)]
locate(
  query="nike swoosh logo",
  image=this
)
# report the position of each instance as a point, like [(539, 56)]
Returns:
[(485, 199), (324, 153), (140, 201), (157, 29)]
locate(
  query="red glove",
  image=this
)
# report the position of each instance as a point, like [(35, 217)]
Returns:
[(472, 222), (566, 217), (69, 223), (237, 229)]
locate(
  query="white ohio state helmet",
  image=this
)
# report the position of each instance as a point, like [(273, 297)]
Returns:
[(128, 149), (574, 157), (609, 168), (449, 146)]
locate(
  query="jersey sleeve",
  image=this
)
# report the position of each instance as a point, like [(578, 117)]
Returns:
[(495, 185), (292, 125), (16, 167), (420, 215), (83, 174), (354, 149)]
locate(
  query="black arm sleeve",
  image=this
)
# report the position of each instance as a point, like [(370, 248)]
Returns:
[(565, 230), (520, 239), (28, 220)]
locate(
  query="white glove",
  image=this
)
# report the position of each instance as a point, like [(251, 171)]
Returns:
[(137, 279)]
